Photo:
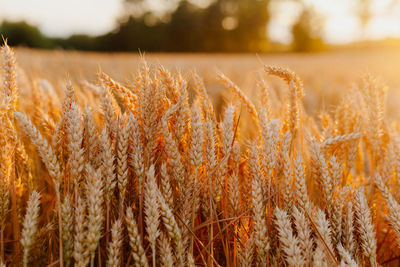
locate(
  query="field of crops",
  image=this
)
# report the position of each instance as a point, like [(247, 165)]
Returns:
[(199, 160)]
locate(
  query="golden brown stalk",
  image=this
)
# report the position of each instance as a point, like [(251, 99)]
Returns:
[(30, 225)]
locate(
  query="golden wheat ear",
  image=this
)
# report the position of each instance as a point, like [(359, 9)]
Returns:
[(114, 248), (289, 242), (30, 225)]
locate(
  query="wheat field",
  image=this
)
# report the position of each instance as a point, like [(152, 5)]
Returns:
[(155, 160)]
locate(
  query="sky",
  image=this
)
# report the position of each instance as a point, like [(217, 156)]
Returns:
[(64, 17)]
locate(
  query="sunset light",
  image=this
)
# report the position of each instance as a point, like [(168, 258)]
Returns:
[(200, 133)]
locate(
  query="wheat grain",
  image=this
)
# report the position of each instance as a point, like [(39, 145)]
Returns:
[(289, 242), (30, 225), (114, 248), (94, 193), (365, 227), (135, 240)]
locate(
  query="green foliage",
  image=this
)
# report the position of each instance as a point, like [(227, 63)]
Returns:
[(21, 33), (190, 28)]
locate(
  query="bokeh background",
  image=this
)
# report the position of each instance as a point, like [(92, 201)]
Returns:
[(201, 25)]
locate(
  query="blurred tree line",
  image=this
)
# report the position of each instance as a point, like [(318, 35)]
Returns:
[(221, 26)]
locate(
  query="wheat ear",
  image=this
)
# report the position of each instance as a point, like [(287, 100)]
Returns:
[(135, 241), (151, 210), (115, 246), (289, 242), (94, 193), (81, 253), (30, 225), (365, 227), (260, 227)]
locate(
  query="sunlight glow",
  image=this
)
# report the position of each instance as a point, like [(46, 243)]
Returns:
[(62, 18)]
